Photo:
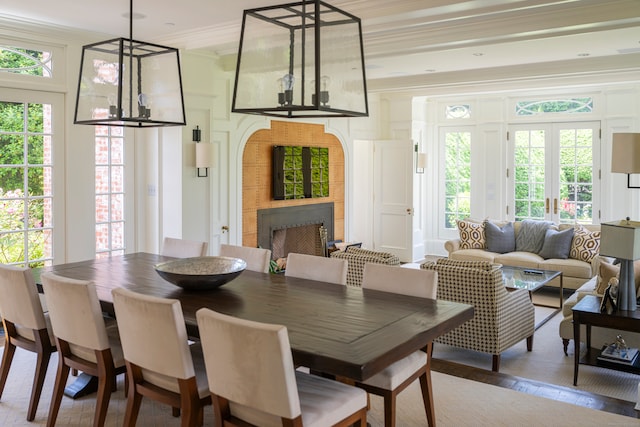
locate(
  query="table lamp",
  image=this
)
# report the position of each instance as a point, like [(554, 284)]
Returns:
[(621, 239)]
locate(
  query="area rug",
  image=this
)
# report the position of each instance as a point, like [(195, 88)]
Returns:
[(548, 363), (458, 402)]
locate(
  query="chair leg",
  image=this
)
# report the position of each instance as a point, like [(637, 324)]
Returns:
[(105, 385), (134, 399), (42, 363), (389, 410), (530, 343), (58, 390), (7, 358), (495, 366), (427, 397), (565, 344)]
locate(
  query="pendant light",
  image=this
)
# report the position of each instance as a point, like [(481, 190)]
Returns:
[(125, 82)]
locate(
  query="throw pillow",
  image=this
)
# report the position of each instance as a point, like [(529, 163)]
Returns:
[(471, 235), (530, 237), (585, 245), (500, 239), (557, 244), (607, 271)]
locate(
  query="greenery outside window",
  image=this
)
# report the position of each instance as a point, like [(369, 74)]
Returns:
[(25, 61), (457, 177)]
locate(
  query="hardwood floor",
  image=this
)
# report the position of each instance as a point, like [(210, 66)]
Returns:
[(537, 388)]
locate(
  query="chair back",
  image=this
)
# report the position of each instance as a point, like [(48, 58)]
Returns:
[(75, 313), (153, 334), (19, 301), (257, 259), (249, 363), (181, 248), (406, 281), (332, 270)]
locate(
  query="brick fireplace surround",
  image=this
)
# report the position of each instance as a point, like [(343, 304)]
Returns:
[(256, 174)]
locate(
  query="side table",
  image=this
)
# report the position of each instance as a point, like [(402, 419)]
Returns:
[(587, 312)]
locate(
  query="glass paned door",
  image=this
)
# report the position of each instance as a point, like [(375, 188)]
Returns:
[(555, 172)]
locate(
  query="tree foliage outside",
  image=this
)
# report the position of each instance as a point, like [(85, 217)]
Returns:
[(22, 142), (457, 177)]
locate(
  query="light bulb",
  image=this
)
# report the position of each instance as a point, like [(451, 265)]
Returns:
[(288, 80), (113, 108), (144, 105), (324, 81)]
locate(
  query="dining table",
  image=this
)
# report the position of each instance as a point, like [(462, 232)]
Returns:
[(338, 330)]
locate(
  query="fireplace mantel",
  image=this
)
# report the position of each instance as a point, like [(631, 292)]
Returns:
[(273, 219)]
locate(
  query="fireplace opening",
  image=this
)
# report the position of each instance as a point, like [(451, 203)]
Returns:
[(294, 229)]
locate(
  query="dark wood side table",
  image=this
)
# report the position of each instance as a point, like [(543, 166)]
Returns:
[(587, 312)]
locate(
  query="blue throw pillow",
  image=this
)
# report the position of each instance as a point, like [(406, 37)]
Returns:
[(557, 244), (531, 235), (500, 239)]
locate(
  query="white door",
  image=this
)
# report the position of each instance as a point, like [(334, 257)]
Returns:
[(393, 198), (555, 172)]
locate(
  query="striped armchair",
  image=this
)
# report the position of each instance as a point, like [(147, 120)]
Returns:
[(358, 257), (502, 318)]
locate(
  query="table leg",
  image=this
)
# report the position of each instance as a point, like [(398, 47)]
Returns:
[(576, 347), (561, 292)]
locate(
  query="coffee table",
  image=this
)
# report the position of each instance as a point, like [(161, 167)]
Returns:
[(532, 279)]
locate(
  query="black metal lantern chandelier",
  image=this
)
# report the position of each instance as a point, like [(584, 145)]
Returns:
[(124, 82), (301, 59)]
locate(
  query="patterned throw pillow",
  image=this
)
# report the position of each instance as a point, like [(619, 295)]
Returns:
[(531, 235), (471, 235), (585, 245)]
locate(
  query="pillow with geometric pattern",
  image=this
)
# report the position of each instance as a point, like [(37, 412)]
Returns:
[(585, 245), (471, 235)]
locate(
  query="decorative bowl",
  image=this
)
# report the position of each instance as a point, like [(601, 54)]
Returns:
[(201, 273)]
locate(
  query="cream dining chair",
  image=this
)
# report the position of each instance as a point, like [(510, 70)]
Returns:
[(332, 270), (25, 326), (181, 248), (161, 365), (267, 390), (257, 259), (398, 376), (84, 341)]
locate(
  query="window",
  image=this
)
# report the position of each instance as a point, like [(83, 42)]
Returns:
[(457, 180), (458, 111), (26, 184), (300, 172), (109, 189), (25, 61), (549, 106)]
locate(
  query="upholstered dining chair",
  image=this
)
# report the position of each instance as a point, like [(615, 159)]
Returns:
[(181, 248), (84, 341), (161, 365), (332, 270), (25, 326), (267, 390), (398, 376), (257, 259)]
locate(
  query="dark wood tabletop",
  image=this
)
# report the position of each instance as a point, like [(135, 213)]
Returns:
[(334, 329)]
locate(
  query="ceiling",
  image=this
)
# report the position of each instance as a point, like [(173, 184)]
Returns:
[(408, 44)]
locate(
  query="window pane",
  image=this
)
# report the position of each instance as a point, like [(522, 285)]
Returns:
[(11, 117), (117, 179), (102, 152), (117, 207), (102, 209), (102, 237), (12, 179), (102, 179), (35, 119), (36, 181), (11, 149)]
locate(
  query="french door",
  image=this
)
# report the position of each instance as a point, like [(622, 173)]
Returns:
[(554, 172)]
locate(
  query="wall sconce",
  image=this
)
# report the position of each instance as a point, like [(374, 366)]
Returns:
[(625, 155), (421, 161), (203, 154)]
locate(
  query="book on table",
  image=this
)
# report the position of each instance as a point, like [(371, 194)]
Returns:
[(625, 356)]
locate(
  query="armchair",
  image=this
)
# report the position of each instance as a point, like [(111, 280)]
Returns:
[(357, 258), (502, 318)]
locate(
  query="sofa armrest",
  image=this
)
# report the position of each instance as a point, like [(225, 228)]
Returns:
[(452, 245)]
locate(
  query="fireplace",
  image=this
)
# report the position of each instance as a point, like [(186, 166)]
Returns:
[(294, 229)]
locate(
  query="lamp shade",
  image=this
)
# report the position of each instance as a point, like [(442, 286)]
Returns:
[(620, 239), (204, 155), (625, 155), (300, 59), (421, 162), (124, 82)]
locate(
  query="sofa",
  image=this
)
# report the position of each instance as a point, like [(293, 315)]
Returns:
[(596, 286), (501, 318), (573, 250), (358, 257)]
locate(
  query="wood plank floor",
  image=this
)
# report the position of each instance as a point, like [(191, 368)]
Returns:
[(537, 388)]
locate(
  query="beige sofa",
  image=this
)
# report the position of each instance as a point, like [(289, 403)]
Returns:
[(574, 271)]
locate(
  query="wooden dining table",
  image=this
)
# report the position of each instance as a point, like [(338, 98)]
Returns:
[(339, 330)]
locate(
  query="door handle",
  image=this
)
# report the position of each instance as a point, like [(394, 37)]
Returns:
[(555, 206), (409, 211), (225, 228), (547, 205)]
